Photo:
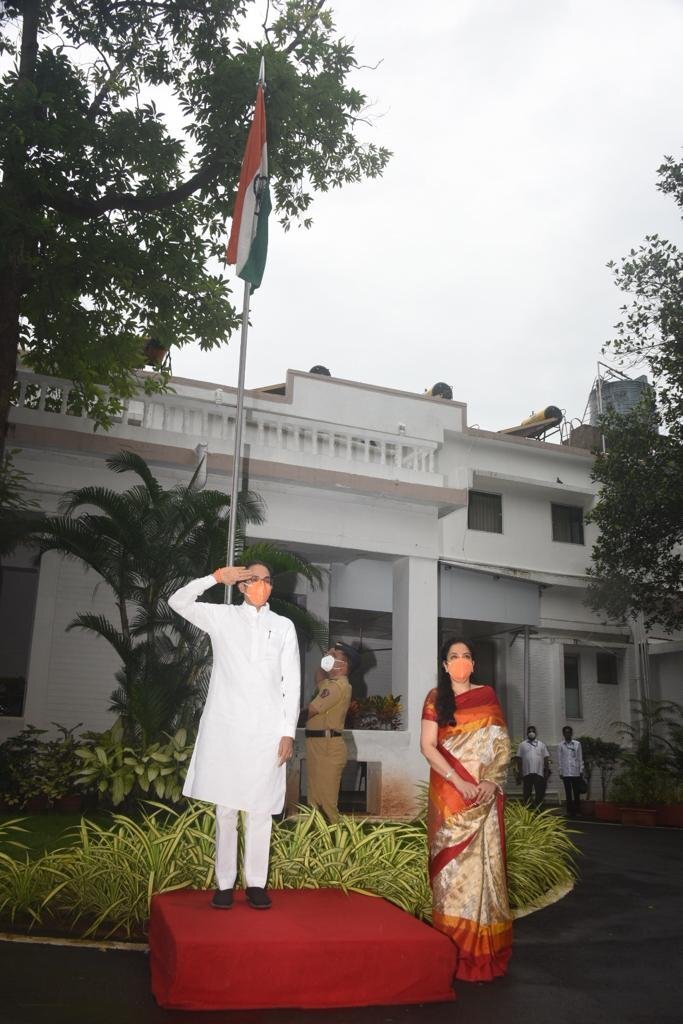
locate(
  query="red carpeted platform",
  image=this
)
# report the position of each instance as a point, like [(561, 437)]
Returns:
[(314, 948)]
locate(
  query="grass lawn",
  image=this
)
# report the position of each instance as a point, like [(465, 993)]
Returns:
[(46, 831)]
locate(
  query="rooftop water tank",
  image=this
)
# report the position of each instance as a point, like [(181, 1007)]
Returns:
[(441, 390), (620, 395)]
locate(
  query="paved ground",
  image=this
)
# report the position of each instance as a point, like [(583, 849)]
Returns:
[(610, 952)]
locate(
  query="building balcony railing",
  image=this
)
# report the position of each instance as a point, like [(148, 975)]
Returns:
[(276, 435)]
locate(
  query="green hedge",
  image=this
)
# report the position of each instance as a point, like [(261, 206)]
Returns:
[(103, 880)]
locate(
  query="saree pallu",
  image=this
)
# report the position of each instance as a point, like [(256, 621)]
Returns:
[(467, 842)]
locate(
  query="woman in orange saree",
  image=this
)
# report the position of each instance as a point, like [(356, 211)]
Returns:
[(465, 741)]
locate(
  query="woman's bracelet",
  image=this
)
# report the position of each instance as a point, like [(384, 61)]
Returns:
[(448, 774)]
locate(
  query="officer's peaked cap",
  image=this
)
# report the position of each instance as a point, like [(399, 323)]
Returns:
[(352, 654)]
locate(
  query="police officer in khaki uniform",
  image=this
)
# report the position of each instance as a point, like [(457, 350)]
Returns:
[(326, 753)]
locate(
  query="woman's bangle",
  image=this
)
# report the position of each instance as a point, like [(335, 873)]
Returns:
[(448, 774)]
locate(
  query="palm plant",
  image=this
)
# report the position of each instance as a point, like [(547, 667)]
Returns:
[(146, 542), (649, 766), (18, 514)]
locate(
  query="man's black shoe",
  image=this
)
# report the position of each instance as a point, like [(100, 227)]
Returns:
[(258, 898), (222, 899)]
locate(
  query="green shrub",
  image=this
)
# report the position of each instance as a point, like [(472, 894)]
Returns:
[(105, 879), (603, 756), (541, 856), (115, 771), (59, 764), (20, 775)]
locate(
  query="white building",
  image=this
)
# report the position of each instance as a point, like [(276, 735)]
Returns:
[(428, 527)]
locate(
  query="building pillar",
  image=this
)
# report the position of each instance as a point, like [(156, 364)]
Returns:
[(38, 674), (414, 651), (318, 604)]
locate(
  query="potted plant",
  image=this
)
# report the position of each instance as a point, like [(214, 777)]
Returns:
[(376, 712), (601, 756), (647, 779), (638, 789), (671, 814)]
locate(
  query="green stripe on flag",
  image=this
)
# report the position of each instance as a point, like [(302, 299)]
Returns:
[(255, 263)]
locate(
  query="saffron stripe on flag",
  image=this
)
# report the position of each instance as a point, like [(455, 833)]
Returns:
[(248, 242)]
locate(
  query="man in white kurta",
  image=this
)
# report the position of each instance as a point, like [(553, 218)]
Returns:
[(246, 733)]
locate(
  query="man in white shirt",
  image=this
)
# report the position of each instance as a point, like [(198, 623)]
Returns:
[(570, 766), (533, 764), (246, 733)]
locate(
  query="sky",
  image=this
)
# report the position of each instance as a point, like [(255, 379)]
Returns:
[(526, 137)]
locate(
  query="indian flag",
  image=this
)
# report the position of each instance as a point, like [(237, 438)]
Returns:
[(248, 242)]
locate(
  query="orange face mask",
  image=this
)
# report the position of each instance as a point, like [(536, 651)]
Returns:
[(258, 592), (460, 669)]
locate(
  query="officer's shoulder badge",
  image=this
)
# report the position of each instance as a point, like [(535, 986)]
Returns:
[(325, 692)]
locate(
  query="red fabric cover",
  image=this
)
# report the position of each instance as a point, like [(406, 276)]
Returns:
[(314, 948)]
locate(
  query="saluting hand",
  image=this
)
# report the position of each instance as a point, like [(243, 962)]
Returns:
[(231, 574)]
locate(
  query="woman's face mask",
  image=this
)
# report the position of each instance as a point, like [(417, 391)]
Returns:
[(459, 665), (460, 670)]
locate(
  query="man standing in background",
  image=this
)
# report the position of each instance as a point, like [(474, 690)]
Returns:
[(570, 766), (533, 765)]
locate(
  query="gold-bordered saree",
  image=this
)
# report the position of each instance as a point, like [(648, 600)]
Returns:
[(467, 842)]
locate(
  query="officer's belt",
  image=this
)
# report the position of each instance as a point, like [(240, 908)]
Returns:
[(322, 732)]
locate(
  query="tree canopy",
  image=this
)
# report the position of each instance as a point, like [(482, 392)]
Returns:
[(123, 126), (637, 561)]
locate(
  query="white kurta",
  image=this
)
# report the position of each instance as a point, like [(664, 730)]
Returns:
[(253, 701)]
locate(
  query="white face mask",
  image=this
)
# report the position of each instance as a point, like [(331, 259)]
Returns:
[(327, 662)]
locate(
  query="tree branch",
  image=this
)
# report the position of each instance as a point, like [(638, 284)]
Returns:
[(94, 108), (75, 206), (29, 40), (304, 28), (266, 30)]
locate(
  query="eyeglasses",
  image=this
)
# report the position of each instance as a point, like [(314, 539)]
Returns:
[(259, 579), (451, 657)]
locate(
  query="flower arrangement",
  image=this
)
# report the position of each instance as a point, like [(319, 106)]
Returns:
[(376, 712)]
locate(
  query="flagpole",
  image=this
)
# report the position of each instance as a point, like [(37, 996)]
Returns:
[(239, 413), (237, 455)]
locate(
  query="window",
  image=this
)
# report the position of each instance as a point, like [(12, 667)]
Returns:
[(572, 691), (567, 524), (485, 512), (607, 667)]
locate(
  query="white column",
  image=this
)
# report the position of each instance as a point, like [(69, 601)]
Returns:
[(38, 676), (414, 647), (318, 604)]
